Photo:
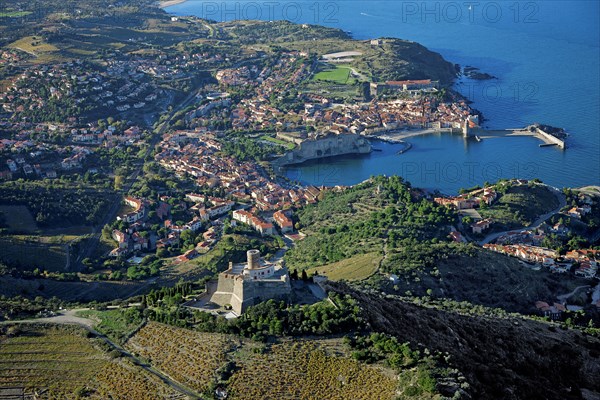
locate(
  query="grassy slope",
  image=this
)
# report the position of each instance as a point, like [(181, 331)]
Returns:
[(352, 269), (362, 220), (18, 218), (30, 255), (117, 324), (442, 270)]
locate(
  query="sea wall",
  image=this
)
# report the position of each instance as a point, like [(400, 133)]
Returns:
[(330, 146), (551, 138)]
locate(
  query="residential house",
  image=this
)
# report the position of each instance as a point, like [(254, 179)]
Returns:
[(283, 221), (480, 226)]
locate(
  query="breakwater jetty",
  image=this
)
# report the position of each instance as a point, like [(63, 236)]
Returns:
[(549, 135)]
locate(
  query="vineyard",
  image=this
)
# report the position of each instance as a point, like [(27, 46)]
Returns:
[(188, 357), (62, 362), (125, 381), (53, 358), (302, 370)]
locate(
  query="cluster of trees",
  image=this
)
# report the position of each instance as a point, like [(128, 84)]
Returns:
[(286, 101), (294, 275), (120, 159), (150, 266), (562, 244), (380, 346), (169, 295), (277, 318), (19, 307), (418, 370), (245, 149), (267, 318), (53, 207)]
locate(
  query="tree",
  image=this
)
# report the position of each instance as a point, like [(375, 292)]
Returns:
[(304, 275), (107, 232), (161, 252), (188, 237), (576, 242), (119, 179)]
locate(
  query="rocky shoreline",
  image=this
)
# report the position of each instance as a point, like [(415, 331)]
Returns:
[(476, 74)]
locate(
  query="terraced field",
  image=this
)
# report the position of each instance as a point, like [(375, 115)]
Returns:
[(18, 218), (69, 291), (124, 381), (62, 362), (302, 370), (31, 254), (188, 357)]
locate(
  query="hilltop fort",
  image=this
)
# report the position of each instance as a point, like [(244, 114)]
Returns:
[(246, 284)]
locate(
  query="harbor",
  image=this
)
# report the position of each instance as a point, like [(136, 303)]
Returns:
[(532, 131), (479, 134)]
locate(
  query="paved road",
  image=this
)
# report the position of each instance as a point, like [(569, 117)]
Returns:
[(561, 298), (562, 203), (68, 317)]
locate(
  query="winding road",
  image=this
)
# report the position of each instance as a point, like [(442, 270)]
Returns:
[(561, 298), (541, 219)]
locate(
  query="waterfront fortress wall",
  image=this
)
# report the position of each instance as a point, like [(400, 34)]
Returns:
[(330, 146)]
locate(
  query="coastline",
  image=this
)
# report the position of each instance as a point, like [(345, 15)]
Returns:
[(169, 3)]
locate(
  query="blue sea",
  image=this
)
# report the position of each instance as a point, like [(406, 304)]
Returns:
[(545, 54)]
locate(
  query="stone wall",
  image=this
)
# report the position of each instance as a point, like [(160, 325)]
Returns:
[(333, 145), (243, 293), (261, 290), (225, 283)]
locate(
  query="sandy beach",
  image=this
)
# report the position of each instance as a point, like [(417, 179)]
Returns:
[(169, 3)]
